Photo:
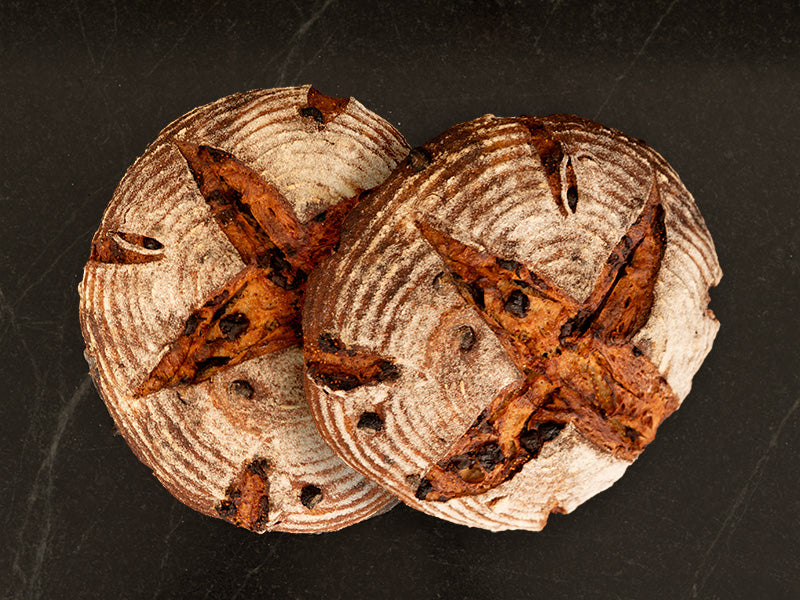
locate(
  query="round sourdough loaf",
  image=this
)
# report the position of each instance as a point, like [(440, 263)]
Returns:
[(509, 318), (191, 299)]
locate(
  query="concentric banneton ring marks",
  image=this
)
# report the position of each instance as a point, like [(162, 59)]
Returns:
[(190, 303), (537, 289)]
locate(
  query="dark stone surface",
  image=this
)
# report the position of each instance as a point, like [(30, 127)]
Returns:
[(711, 510)]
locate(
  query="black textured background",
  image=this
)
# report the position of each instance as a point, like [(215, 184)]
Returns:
[(711, 510)]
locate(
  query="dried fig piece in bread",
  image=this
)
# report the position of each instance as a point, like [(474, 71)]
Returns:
[(539, 287), (191, 300)]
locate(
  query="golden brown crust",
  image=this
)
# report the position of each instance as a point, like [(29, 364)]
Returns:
[(542, 285), (191, 299)]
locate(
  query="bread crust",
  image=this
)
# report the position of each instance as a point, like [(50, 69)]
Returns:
[(551, 206), (210, 396)]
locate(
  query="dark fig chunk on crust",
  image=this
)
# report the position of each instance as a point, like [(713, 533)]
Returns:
[(550, 430), (310, 496), (370, 421), (419, 158), (241, 388), (423, 489), (517, 304), (329, 343), (490, 456), (466, 338), (233, 325)]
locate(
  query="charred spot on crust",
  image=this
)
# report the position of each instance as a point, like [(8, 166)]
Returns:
[(310, 496), (419, 158), (371, 421), (241, 388)]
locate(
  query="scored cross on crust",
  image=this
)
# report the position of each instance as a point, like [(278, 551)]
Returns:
[(577, 359), (258, 310)]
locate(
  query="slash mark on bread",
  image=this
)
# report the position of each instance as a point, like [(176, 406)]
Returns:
[(579, 364), (258, 310), (333, 364), (247, 498)]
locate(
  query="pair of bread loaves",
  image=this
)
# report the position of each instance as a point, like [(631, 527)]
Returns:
[(294, 320)]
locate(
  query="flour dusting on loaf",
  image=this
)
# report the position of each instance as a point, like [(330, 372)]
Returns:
[(509, 318), (204, 236)]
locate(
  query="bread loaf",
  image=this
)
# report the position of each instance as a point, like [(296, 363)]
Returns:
[(509, 318), (191, 299)]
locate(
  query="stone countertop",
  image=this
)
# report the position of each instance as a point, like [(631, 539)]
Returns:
[(709, 511)]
